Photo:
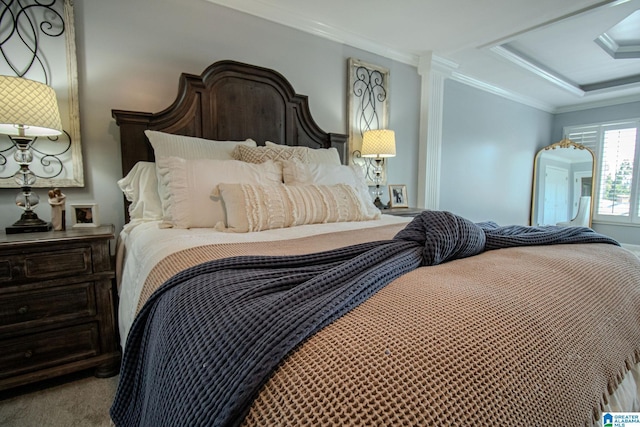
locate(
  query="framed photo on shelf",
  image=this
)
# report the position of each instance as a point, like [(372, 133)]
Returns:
[(398, 196), (85, 215)]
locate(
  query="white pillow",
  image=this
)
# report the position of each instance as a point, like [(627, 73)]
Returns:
[(188, 147), (317, 155), (140, 187), (265, 207), (186, 186), (294, 172)]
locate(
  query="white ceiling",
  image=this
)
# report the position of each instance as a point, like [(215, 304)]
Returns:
[(556, 55)]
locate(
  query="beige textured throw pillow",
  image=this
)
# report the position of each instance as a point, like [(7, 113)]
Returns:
[(314, 155), (262, 154), (263, 207), (295, 172)]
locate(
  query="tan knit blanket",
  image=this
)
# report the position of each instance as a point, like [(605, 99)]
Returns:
[(519, 336), (178, 261)]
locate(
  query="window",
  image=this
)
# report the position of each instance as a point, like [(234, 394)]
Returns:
[(617, 182)]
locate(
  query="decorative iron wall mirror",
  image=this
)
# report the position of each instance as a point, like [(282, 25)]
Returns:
[(368, 99), (562, 176), (37, 42)]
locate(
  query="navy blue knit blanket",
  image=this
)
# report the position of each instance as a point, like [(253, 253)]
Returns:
[(209, 338)]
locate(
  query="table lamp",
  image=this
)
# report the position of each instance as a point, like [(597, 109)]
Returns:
[(379, 144), (28, 109)]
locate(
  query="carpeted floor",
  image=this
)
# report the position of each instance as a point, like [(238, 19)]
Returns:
[(72, 401)]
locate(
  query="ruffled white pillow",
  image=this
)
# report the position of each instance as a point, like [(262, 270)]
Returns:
[(186, 186)]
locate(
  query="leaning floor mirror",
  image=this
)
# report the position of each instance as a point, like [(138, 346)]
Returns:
[(563, 186)]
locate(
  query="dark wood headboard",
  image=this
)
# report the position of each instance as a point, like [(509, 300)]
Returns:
[(229, 101)]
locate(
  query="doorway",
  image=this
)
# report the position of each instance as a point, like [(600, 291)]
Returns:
[(556, 195)]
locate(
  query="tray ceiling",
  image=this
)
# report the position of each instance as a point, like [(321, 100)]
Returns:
[(556, 56)]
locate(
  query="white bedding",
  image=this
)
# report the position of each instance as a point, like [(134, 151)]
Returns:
[(143, 244)]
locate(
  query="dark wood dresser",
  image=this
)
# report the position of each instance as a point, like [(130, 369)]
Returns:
[(56, 305)]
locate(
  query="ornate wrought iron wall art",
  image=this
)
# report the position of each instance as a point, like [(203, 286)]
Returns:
[(368, 110), (49, 164), (37, 41)]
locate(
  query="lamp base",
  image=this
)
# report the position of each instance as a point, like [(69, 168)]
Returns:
[(28, 223), (379, 204)]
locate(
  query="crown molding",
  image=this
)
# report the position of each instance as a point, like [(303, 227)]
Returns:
[(597, 104), (611, 46), (265, 10), (521, 60), (309, 25), (496, 90)]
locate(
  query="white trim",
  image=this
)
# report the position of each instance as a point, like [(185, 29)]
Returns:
[(512, 96), (522, 61), (614, 223), (577, 190), (309, 25), (633, 217), (635, 249), (607, 44), (585, 10), (441, 64), (597, 104), (613, 49), (430, 142)]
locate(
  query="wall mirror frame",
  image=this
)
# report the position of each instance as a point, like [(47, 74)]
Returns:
[(38, 43), (368, 109), (563, 173)]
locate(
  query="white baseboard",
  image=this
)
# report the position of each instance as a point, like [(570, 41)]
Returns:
[(633, 248)]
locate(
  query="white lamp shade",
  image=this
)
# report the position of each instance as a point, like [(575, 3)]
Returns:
[(28, 108), (379, 143)]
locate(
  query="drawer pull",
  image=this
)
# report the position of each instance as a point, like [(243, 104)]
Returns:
[(28, 354), (23, 310)]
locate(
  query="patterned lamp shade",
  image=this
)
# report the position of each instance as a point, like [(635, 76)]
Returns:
[(379, 143), (28, 108)]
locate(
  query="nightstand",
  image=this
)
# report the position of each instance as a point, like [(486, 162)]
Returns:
[(402, 211), (56, 305)]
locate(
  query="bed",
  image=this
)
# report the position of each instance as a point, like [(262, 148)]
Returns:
[(285, 316)]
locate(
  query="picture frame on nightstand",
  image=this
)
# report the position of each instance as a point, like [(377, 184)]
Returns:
[(85, 215), (398, 196)]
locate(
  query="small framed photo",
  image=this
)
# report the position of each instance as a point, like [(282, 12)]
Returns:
[(85, 215), (398, 196)]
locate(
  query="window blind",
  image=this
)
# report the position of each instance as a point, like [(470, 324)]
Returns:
[(614, 146)]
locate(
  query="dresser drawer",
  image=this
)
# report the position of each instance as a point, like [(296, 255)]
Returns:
[(35, 308), (46, 265), (55, 347)]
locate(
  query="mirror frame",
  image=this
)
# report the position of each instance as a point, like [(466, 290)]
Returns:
[(564, 144), (60, 72)]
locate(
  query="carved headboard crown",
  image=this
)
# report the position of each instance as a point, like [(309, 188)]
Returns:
[(228, 101)]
